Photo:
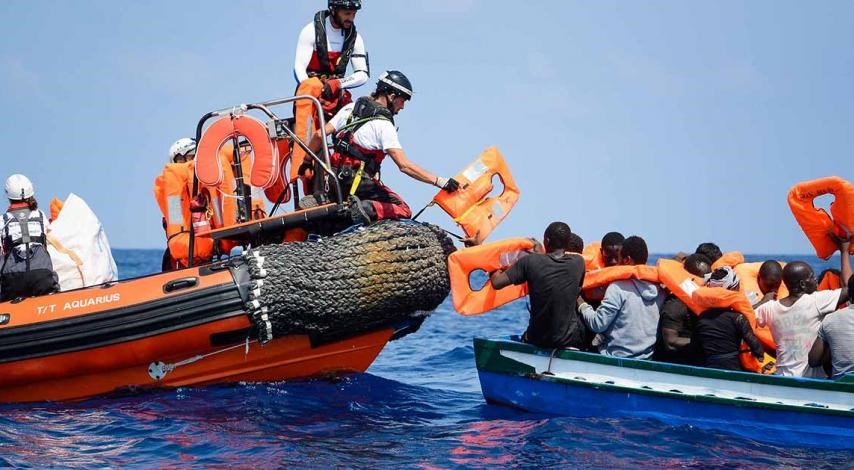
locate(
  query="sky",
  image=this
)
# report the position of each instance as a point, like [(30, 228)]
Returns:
[(681, 122)]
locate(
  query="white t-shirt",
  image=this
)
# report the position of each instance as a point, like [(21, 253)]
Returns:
[(795, 328), (378, 134), (334, 42)]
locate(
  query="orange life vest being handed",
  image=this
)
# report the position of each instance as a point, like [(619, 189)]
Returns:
[(470, 206), (488, 257), (816, 223), (172, 191), (707, 298), (730, 259)]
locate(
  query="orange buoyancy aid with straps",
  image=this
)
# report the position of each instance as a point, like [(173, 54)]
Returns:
[(730, 259), (816, 223), (265, 166), (172, 190), (306, 122), (592, 255), (471, 206), (708, 298), (748, 277), (488, 257)]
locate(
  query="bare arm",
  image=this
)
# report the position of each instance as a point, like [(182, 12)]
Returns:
[(499, 279), (749, 337), (845, 269), (672, 340), (316, 141), (818, 352), (409, 168)]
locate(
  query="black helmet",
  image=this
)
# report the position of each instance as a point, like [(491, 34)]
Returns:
[(346, 4), (395, 82)]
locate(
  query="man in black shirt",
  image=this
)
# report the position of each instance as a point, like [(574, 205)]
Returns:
[(677, 323), (554, 281)]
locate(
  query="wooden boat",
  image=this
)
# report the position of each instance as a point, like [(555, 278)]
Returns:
[(780, 410)]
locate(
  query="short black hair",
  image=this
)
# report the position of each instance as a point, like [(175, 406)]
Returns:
[(613, 239), (576, 243), (634, 247), (557, 236), (712, 251), (771, 271), (695, 262)]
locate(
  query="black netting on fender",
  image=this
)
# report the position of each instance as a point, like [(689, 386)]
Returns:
[(384, 272)]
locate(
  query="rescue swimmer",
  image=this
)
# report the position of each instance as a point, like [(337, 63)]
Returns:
[(363, 133), (326, 47), (27, 269)]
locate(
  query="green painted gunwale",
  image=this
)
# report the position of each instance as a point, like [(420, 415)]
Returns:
[(488, 358)]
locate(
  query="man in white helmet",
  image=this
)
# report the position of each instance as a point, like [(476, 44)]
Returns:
[(326, 47), (363, 133), (183, 150), (27, 269)]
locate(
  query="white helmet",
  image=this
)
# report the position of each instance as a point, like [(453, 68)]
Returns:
[(19, 187), (181, 147)]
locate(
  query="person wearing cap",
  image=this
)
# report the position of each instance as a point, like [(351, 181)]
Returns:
[(326, 47), (363, 133), (27, 269)]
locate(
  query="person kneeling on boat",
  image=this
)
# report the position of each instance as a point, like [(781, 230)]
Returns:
[(363, 134), (835, 342), (554, 282), (794, 320), (628, 316), (720, 332), (677, 324), (27, 269)]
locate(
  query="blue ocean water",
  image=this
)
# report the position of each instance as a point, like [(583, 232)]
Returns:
[(419, 405)]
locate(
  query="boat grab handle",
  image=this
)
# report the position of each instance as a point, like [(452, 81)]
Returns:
[(178, 284)]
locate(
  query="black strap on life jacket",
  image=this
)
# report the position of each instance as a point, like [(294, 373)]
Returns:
[(22, 218), (320, 45), (365, 110)]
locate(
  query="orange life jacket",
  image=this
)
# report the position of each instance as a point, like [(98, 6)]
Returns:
[(830, 281), (605, 276), (228, 209), (748, 277), (593, 256), (730, 259), (306, 122), (471, 206), (55, 207), (707, 298), (488, 257), (172, 190), (679, 282), (816, 223)]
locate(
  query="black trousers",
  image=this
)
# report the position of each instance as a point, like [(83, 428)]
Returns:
[(28, 284)]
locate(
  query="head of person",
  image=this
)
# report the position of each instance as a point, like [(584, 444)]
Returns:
[(799, 278), (611, 249), (20, 189), (697, 264), (634, 251), (183, 150), (770, 276), (724, 277), (712, 251), (342, 13), (557, 237), (393, 90), (576, 243)]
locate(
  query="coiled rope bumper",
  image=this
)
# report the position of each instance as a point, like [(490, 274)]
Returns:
[(388, 271)]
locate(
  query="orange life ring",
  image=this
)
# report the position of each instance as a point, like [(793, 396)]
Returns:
[(488, 257), (265, 166), (470, 206), (707, 298), (816, 223), (730, 259)]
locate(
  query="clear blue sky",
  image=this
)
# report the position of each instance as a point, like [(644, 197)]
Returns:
[(678, 121)]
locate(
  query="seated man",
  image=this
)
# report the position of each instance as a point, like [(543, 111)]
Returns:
[(554, 281), (611, 249), (709, 250), (836, 340), (794, 320), (769, 280), (364, 133), (628, 315), (720, 332), (677, 323)]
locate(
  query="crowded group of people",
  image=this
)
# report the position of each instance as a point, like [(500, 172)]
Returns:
[(636, 318)]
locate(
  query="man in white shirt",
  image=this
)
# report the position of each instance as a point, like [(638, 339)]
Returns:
[(794, 321), (363, 134), (326, 47)]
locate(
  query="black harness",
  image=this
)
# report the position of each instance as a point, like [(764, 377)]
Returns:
[(22, 218), (364, 111), (320, 45)]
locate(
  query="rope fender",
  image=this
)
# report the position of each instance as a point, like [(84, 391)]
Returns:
[(388, 271)]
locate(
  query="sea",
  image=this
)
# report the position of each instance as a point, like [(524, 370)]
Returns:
[(418, 406)]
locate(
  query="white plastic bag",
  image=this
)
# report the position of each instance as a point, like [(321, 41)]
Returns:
[(79, 248)]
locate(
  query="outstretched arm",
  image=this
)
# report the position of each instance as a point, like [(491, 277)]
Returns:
[(409, 168)]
